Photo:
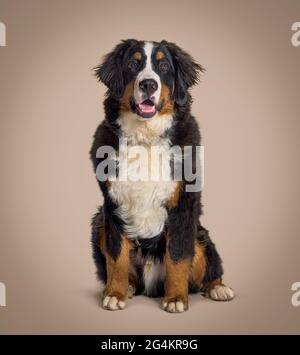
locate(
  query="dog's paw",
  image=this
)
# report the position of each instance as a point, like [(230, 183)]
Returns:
[(175, 305), (112, 303), (221, 293), (131, 291)]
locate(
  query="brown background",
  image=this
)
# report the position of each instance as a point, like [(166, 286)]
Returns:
[(248, 108)]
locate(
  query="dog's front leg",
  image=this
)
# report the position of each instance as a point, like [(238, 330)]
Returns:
[(116, 290), (182, 224), (117, 253), (176, 284)]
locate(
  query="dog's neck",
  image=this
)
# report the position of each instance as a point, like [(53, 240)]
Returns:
[(137, 131), (148, 132)]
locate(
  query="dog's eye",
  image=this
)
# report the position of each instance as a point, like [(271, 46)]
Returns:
[(133, 65), (164, 67)]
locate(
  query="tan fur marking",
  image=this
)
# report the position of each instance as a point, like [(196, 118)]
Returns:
[(132, 277), (125, 99), (173, 200), (198, 266), (168, 102), (176, 283), (102, 239), (117, 272), (137, 55), (159, 55), (210, 285)]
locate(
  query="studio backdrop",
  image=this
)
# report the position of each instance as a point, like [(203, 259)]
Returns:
[(248, 108)]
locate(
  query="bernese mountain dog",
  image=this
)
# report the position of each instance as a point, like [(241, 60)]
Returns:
[(147, 237)]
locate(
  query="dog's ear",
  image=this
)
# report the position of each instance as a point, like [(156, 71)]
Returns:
[(186, 72), (110, 72)]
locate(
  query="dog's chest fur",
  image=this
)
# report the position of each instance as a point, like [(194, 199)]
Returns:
[(141, 204)]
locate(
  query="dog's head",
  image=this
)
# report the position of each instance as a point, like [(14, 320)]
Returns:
[(148, 77)]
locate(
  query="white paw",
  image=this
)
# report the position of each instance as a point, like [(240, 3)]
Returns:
[(221, 293), (174, 306), (112, 303)]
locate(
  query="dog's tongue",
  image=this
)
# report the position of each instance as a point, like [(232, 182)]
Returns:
[(147, 106)]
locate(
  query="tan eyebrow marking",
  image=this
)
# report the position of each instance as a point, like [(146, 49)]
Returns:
[(159, 55), (137, 55)]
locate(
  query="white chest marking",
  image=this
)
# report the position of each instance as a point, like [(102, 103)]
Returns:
[(149, 132), (153, 273), (141, 203)]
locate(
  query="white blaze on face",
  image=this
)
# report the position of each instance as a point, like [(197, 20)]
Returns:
[(147, 73)]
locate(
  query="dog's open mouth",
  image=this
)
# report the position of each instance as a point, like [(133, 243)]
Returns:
[(146, 108)]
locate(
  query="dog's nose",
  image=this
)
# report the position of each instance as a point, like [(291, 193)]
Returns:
[(148, 86)]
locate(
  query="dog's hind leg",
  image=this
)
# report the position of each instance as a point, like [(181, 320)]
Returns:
[(217, 291), (98, 240), (212, 285)]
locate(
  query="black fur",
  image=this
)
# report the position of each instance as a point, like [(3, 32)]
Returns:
[(186, 70), (155, 248), (183, 221), (111, 71), (99, 258)]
